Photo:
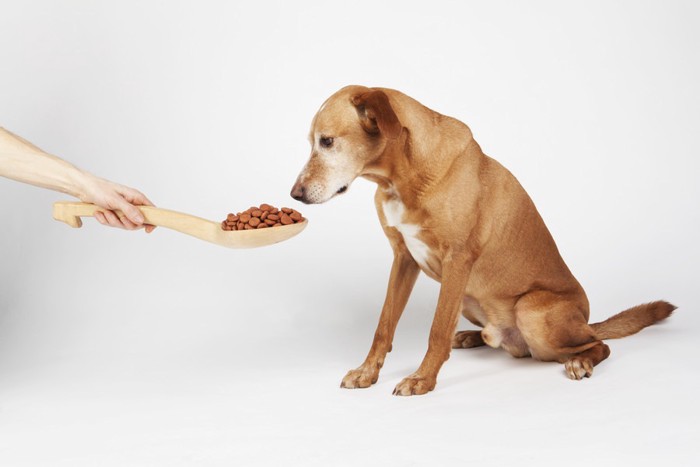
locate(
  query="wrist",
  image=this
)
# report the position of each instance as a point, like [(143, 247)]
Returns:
[(81, 185)]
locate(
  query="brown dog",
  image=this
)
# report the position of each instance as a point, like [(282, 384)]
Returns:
[(464, 220)]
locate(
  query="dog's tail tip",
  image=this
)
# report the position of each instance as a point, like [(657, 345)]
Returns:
[(663, 309)]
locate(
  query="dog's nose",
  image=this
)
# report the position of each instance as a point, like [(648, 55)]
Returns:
[(298, 191)]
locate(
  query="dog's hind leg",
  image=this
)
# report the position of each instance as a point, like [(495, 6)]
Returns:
[(556, 329), (581, 365)]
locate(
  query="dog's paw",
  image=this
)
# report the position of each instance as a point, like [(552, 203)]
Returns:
[(578, 368), (359, 378), (467, 340), (414, 386)]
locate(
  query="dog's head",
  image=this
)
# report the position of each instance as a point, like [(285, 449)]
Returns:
[(349, 132)]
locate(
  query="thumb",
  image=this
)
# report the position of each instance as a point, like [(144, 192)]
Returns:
[(131, 212)]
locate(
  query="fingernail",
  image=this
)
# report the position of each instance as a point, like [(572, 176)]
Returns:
[(139, 219)]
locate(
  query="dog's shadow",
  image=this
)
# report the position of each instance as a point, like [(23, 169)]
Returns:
[(492, 362)]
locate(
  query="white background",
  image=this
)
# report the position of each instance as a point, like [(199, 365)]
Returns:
[(121, 349)]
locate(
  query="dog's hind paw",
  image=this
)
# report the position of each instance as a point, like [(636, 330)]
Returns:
[(414, 386), (359, 378), (467, 340), (578, 368)]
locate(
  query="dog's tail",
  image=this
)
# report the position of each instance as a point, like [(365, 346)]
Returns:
[(633, 320)]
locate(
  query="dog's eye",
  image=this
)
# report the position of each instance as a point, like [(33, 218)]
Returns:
[(326, 142)]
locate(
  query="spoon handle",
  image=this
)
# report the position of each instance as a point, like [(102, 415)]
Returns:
[(71, 212)]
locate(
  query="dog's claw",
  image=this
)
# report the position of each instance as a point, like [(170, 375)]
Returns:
[(414, 386), (578, 368), (359, 378)]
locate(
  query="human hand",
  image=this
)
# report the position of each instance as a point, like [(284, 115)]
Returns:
[(112, 196)]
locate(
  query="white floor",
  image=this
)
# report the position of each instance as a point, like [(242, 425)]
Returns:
[(278, 402)]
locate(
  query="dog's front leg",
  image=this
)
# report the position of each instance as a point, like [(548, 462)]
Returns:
[(455, 274), (404, 272)]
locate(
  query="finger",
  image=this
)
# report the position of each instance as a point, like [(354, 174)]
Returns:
[(99, 215), (143, 200), (112, 219), (132, 213), (135, 197), (127, 224), (120, 222)]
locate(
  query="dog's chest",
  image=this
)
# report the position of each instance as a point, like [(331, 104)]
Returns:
[(394, 211)]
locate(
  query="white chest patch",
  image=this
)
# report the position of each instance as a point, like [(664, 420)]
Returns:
[(393, 211)]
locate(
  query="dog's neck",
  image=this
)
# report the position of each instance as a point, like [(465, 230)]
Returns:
[(407, 171)]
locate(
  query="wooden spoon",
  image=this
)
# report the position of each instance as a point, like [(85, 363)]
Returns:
[(210, 231)]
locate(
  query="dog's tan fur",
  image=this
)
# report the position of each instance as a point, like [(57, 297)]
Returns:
[(464, 220)]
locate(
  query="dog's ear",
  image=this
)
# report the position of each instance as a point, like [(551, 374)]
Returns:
[(376, 114)]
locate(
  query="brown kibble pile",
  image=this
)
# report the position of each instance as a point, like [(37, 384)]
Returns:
[(261, 217)]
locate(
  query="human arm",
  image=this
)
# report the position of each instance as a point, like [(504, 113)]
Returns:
[(22, 161)]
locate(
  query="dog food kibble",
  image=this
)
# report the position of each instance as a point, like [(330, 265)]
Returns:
[(261, 217)]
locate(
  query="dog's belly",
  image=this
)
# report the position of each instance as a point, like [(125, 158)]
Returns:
[(471, 309), (497, 332)]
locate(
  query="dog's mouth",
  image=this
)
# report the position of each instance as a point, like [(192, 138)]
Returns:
[(342, 189)]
